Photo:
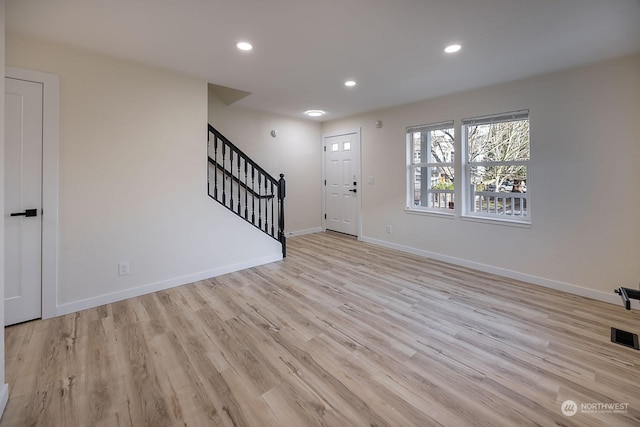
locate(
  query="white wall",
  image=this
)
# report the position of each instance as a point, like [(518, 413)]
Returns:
[(4, 389), (133, 184), (585, 233), (295, 152)]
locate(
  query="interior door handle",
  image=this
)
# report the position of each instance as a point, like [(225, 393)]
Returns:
[(353, 190), (27, 213)]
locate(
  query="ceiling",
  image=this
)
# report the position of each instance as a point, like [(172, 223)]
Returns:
[(304, 50)]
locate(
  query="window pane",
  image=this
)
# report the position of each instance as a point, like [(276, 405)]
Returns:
[(499, 178), (432, 171), (442, 150), (500, 190), (434, 146), (433, 187), (417, 185), (440, 178), (498, 142), (416, 147)]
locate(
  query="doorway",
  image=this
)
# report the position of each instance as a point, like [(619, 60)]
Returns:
[(342, 190), (30, 194)]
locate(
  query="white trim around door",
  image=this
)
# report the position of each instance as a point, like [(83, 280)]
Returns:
[(50, 154)]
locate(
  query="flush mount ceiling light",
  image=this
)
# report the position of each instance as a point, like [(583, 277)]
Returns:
[(315, 113), (350, 83), (453, 48), (244, 46)]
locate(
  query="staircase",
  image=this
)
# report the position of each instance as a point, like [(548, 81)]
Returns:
[(242, 186)]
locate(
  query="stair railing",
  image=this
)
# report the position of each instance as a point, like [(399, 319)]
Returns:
[(242, 186)]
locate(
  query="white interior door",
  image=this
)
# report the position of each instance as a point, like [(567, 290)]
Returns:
[(23, 200), (342, 172)]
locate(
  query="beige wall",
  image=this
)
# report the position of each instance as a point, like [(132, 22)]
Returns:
[(585, 233), (295, 152), (133, 184)]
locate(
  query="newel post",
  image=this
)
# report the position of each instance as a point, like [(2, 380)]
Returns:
[(282, 191)]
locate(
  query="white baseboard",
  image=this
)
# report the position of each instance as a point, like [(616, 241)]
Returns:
[(72, 307), (303, 232), (4, 398), (541, 281)]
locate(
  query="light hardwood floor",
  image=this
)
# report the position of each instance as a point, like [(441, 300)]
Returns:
[(341, 333)]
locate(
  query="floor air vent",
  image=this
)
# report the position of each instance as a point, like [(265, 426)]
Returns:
[(625, 338)]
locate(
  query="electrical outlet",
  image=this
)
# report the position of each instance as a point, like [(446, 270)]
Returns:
[(389, 229), (123, 268)]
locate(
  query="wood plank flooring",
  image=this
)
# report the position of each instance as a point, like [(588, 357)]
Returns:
[(341, 333)]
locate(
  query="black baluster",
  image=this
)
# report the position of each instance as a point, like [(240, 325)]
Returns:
[(272, 217), (266, 208), (253, 194), (239, 198), (231, 177), (224, 174), (215, 169), (266, 212), (246, 192), (259, 201)]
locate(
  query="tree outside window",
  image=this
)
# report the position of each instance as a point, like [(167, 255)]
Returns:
[(498, 155)]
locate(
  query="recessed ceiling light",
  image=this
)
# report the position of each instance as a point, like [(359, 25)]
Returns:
[(315, 113), (452, 48), (244, 46), (350, 83)]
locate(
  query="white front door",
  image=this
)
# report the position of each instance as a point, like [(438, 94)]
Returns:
[(23, 201), (342, 172)]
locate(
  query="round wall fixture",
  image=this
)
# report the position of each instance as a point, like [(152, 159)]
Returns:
[(274, 133)]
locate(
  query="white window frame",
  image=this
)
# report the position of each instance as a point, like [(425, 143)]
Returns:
[(469, 193), (445, 209)]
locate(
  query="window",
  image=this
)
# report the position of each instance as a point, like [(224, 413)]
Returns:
[(497, 165), (431, 171)]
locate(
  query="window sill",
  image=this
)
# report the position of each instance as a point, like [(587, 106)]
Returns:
[(449, 214), (496, 221)]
